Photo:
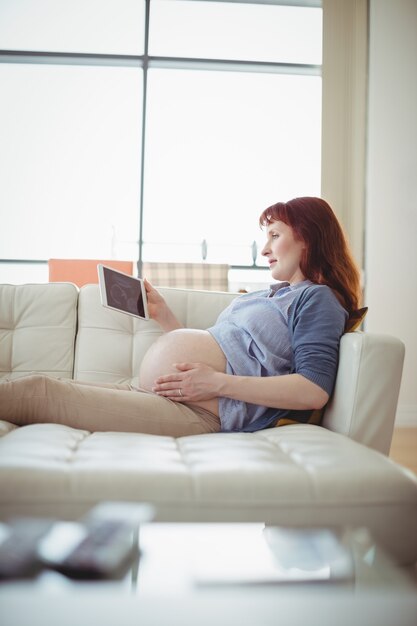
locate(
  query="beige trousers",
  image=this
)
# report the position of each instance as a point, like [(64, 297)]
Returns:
[(100, 407)]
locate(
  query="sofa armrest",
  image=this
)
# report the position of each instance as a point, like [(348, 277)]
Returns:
[(365, 397)]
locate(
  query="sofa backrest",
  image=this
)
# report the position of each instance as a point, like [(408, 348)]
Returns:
[(110, 346), (37, 329)]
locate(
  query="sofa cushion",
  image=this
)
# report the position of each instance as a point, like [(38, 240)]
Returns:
[(37, 329), (299, 475), (110, 346)]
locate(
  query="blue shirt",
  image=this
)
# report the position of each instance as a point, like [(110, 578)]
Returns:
[(286, 329)]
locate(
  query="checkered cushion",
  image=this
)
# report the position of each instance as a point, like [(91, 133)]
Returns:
[(208, 276)]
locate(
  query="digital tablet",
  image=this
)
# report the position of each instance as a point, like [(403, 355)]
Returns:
[(122, 292)]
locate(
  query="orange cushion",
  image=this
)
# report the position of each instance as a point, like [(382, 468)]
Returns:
[(82, 271)]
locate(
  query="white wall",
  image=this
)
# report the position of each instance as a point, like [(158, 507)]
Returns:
[(391, 195)]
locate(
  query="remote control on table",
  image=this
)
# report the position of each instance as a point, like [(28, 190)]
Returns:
[(19, 539), (100, 549), (102, 545)]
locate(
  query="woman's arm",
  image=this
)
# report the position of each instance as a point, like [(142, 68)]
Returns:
[(290, 391), (198, 381), (159, 310)]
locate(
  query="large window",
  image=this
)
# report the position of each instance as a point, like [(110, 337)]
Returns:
[(222, 146), (69, 159), (153, 131)]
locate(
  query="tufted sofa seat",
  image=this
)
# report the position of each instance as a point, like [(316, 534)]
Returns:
[(336, 474)]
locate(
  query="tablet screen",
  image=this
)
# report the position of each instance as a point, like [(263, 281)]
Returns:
[(123, 292)]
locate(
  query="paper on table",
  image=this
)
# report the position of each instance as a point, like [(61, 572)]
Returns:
[(272, 555)]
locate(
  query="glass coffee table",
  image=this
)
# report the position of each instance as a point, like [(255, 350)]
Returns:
[(229, 573)]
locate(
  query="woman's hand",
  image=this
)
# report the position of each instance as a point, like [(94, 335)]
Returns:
[(192, 383), (159, 310), (198, 381)]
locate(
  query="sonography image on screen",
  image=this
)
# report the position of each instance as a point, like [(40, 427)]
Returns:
[(124, 292)]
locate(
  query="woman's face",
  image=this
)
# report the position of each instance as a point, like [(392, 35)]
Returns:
[(283, 253)]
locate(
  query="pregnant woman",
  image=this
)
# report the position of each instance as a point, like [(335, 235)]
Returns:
[(271, 355)]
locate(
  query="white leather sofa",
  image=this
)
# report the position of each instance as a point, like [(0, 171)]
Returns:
[(336, 474)]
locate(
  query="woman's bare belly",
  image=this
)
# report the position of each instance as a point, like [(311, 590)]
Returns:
[(179, 346)]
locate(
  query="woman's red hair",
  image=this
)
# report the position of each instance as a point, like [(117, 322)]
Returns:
[(327, 259)]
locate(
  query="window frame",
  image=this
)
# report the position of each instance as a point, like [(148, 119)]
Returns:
[(343, 71)]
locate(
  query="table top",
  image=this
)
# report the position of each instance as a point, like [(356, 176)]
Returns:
[(227, 574), (183, 558)]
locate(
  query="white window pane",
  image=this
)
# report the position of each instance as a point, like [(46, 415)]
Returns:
[(21, 273), (228, 30), (95, 26), (221, 147), (249, 279), (69, 161)]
